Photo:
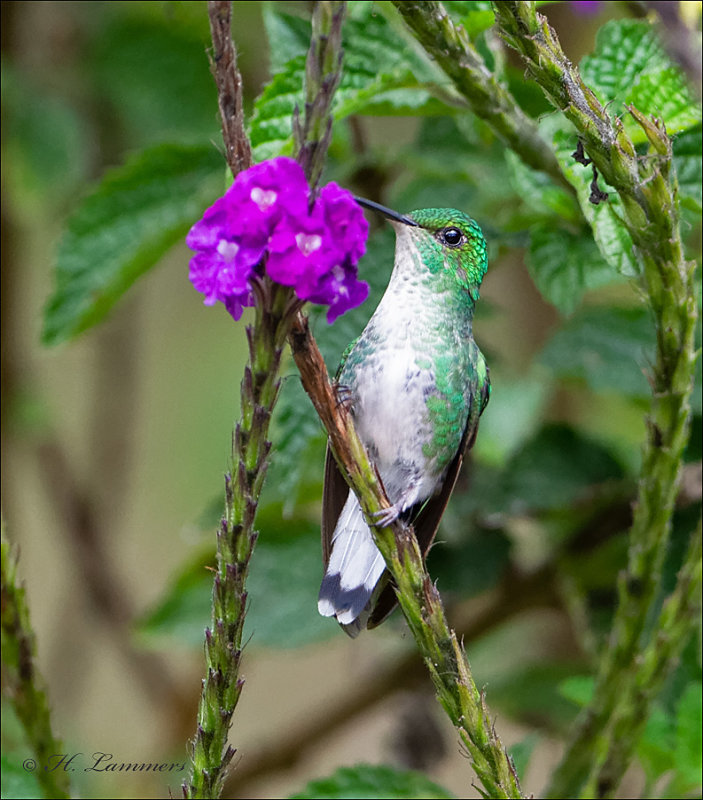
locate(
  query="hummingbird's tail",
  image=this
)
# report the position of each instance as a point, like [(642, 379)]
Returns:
[(354, 569)]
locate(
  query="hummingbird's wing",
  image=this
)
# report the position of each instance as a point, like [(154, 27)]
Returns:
[(427, 520), (334, 496), (425, 526), (336, 491)]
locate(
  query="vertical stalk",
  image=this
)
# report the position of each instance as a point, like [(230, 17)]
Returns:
[(235, 543), (606, 736), (24, 683), (275, 311)]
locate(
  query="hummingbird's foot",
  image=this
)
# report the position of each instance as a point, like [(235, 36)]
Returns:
[(384, 517), (344, 396)]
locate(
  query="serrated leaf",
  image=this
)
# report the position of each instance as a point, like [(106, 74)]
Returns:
[(629, 65), (270, 128), (539, 194), (288, 35), (373, 781), (609, 232), (474, 17), (608, 348), (381, 75), (687, 161), (564, 266), (122, 229), (624, 49), (666, 95)]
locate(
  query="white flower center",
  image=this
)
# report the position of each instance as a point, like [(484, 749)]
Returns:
[(228, 250), (308, 242), (264, 199), (338, 272)]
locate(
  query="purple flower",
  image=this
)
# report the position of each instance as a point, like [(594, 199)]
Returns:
[(264, 218), (586, 7)]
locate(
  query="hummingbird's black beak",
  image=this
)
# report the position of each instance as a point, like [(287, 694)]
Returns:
[(387, 212)]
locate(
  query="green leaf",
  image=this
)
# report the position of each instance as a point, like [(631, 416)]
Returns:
[(687, 161), (608, 348), (382, 75), (624, 49), (522, 752), (539, 194), (370, 781), (578, 689), (554, 469), (630, 66), (288, 35), (470, 564), (154, 76), (565, 265), (610, 234), (475, 17), (666, 95), (123, 228), (655, 749), (688, 747), (270, 128), (282, 588)]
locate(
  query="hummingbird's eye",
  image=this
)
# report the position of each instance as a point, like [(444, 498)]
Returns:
[(451, 236)]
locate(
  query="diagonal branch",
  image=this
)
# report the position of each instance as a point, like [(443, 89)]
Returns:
[(450, 47), (418, 597)]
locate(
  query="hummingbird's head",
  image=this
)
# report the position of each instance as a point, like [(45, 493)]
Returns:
[(449, 241)]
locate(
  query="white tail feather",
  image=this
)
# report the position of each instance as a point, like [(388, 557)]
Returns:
[(354, 568)]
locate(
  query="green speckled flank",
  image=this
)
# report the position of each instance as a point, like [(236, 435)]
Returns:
[(447, 409)]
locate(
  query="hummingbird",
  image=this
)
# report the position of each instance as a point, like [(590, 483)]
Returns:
[(416, 384)]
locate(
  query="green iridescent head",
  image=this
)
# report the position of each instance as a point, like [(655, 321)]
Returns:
[(456, 244)]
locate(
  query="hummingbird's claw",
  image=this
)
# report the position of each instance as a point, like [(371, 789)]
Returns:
[(344, 397), (386, 516)]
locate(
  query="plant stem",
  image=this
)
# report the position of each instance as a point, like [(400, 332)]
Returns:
[(24, 683), (675, 624), (323, 72), (417, 596), (275, 308), (450, 47), (229, 86), (648, 190), (236, 537), (235, 543)]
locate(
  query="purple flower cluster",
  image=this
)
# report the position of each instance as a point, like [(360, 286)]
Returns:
[(266, 211)]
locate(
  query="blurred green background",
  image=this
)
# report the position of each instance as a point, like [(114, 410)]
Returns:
[(114, 444)]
